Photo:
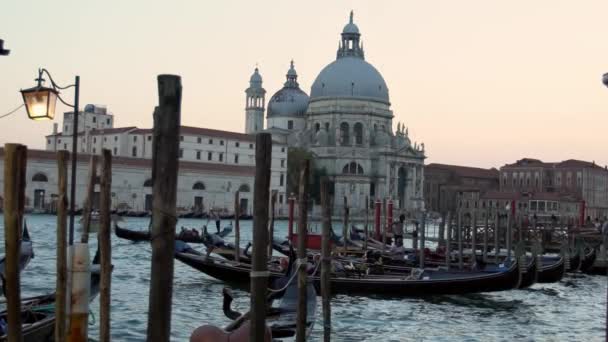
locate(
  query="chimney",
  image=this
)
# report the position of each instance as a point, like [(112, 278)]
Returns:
[(55, 125)]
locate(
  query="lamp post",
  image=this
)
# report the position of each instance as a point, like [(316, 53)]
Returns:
[(605, 81), (40, 103)]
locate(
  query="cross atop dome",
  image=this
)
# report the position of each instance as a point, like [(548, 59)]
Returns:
[(349, 46)]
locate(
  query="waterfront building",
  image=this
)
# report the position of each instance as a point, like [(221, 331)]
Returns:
[(213, 165), (347, 125), (574, 179), (445, 184)]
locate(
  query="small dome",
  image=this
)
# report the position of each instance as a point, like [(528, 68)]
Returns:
[(350, 77), (350, 27), (288, 102), (256, 78)]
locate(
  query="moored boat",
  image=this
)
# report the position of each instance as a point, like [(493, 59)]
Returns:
[(417, 283)]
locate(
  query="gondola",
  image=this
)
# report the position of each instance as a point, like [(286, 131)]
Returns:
[(37, 313), (552, 269), (144, 235), (26, 251), (418, 283), (530, 274), (575, 262), (588, 260)]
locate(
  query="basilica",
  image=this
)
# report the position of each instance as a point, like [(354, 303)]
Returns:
[(347, 124)]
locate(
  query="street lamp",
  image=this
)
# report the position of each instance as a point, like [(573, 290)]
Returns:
[(40, 103)]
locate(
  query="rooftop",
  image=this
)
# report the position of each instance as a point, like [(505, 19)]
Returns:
[(465, 171), (83, 158)]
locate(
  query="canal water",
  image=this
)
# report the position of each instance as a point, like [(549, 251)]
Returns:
[(571, 310)]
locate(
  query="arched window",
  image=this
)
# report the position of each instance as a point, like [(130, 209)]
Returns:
[(148, 183), (244, 188), (352, 168), (344, 136), (358, 133), (40, 177), (198, 186), (317, 127)]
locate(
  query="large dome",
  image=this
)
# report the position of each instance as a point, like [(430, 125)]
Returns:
[(350, 76), (289, 100)]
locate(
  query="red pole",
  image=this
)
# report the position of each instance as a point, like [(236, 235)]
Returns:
[(377, 209), (291, 202), (513, 209), (389, 215)]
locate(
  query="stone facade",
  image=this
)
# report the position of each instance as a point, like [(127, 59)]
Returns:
[(214, 148), (347, 124), (201, 186), (583, 180), (446, 185)]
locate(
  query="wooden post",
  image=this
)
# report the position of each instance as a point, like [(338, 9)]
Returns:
[(15, 162), (474, 234), (62, 268), (485, 236), (237, 228), (302, 253), (165, 165), (448, 242), (366, 227), (273, 201), (496, 240), (441, 233), (326, 260), (345, 225), (422, 238), (259, 266), (88, 202), (291, 204), (459, 232), (105, 246), (80, 288), (509, 235)]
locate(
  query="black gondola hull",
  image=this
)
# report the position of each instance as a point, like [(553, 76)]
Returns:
[(552, 273), (453, 283)]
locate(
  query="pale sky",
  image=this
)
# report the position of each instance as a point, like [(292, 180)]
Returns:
[(481, 83)]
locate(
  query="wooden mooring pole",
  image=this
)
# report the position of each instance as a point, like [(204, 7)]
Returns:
[(448, 242), (496, 235), (474, 235), (237, 228), (259, 266), (62, 241), (88, 202), (326, 259), (459, 237), (273, 202), (366, 223), (302, 253), (422, 238), (105, 246), (484, 253), (15, 163), (345, 226), (165, 165)]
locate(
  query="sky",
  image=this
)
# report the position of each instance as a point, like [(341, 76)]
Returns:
[(481, 83)]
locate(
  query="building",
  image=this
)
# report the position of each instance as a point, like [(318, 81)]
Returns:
[(205, 153), (574, 179), (347, 124), (446, 185), (201, 186)]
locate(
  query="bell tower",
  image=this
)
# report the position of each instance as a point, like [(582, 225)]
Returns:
[(254, 104)]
